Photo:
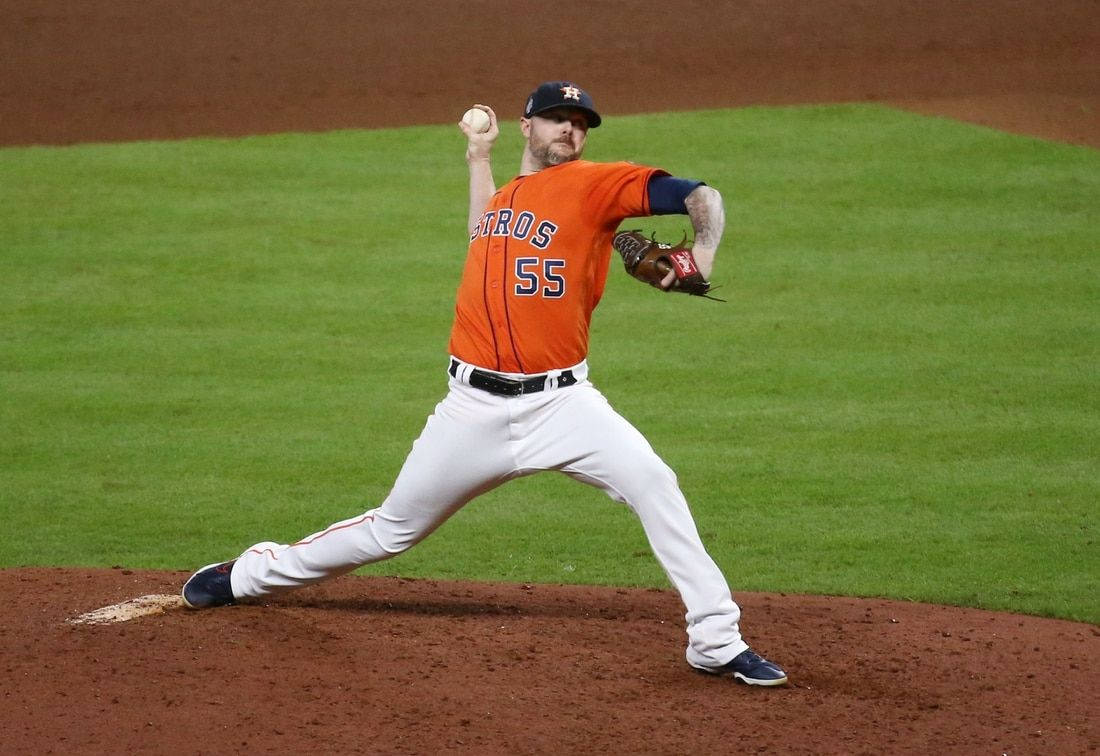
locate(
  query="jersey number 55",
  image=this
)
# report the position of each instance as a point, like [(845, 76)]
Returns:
[(536, 276)]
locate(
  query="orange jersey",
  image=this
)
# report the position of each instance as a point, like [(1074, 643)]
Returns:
[(538, 262)]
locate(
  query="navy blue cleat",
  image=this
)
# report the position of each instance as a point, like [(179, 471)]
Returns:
[(209, 587), (751, 669)]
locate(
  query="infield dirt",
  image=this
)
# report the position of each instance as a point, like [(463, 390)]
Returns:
[(370, 665), (104, 70)]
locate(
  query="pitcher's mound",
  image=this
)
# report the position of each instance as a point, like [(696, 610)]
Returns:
[(386, 665)]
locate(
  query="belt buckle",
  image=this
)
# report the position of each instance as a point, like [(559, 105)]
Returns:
[(498, 384), (511, 386), (533, 385)]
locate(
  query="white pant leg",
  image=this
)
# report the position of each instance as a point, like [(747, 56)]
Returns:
[(584, 437), (463, 451)]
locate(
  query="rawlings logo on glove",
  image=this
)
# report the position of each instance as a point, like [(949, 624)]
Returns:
[(650, 261)]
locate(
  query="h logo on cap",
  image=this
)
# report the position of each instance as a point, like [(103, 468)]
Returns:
[(571, 93)]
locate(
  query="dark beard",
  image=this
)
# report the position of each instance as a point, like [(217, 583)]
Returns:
[(546, 158)]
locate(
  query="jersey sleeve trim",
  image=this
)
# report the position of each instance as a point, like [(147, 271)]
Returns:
[(666, 194)]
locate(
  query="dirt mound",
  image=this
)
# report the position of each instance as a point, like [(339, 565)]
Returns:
[(384, 665)]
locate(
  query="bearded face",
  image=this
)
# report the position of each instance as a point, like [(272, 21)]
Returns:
[(556, 136)]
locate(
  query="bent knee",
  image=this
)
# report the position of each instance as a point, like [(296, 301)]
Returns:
[(647, 482)]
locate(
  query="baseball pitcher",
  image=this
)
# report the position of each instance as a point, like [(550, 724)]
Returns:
[(519, 398)]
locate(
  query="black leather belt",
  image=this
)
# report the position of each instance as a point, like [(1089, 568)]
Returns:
[(502, 386)]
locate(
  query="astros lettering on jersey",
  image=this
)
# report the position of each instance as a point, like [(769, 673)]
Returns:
[(537, 265)]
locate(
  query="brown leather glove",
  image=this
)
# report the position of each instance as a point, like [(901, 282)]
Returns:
[(650, 261)]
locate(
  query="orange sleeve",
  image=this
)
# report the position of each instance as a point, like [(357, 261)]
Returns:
[(621, 190)]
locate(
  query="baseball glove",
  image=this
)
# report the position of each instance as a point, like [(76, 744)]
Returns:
[(650, 261)]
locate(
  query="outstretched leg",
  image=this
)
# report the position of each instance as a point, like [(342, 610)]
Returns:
[(461, 453)]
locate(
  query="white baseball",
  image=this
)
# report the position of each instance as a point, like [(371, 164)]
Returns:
[(478, 120)]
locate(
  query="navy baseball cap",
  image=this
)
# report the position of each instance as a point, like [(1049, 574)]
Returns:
[(561, 94)]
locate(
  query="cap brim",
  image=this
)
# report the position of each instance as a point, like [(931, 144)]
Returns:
[(593, 117)]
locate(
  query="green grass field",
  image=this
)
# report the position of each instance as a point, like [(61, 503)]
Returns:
[(209, 343)]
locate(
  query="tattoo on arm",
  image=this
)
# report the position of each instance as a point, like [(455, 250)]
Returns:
[(708, 216), (708, 219)]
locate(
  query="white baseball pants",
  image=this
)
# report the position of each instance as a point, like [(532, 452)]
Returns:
[(473, 442)]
